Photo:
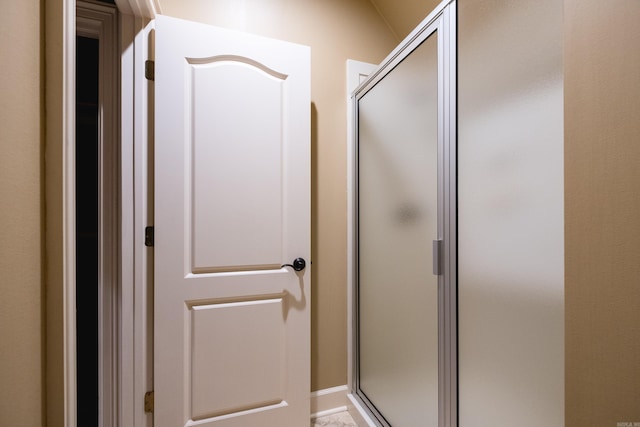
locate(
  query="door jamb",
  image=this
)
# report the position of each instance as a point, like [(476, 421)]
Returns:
[(137, 213), (60, 295)]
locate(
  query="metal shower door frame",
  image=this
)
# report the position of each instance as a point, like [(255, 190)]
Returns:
[(442, 20)]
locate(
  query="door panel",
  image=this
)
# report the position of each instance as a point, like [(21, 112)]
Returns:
[(252, 352), (232, 205), (223, 93)]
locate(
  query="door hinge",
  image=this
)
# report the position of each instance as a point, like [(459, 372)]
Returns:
[(148, 236), (148, 402), (149, 70)]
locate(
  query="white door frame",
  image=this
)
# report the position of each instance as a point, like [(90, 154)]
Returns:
[(133, 371), (99, 22), (137, 204)]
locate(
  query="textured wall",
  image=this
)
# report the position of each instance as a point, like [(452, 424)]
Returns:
[(602, 199), (21, 215), (403, 16), (335, 30), (602, 131)]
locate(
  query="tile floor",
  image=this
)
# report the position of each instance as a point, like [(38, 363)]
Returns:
[(341, 419)]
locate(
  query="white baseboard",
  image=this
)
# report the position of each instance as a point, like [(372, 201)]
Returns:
[(328, 401)]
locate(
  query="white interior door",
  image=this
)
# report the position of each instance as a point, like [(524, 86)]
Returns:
[(232, 204)]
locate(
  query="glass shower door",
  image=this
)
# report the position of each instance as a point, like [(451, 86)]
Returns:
[(403, 233), (398, 206)]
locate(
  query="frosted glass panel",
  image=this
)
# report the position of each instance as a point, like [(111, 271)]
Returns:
[(510, 214), (398, 220)]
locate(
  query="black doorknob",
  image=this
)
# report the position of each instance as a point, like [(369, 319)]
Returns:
[(298, 264)]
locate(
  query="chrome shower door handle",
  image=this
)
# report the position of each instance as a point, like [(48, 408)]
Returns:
[(437, 257)]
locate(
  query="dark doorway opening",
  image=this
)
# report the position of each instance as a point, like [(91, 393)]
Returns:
[(87, 227)]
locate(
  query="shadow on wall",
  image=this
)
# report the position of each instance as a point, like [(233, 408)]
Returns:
[(314, 245)]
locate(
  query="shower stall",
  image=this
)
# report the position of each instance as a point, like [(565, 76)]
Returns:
[(404, 235), (457, 222)]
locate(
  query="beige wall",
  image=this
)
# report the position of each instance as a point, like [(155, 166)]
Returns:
[(21, 219), (602, 191), (403, 16), (602, 204), (336, 30)]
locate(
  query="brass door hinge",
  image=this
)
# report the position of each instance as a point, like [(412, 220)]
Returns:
[(149, 70), (148, 402)]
